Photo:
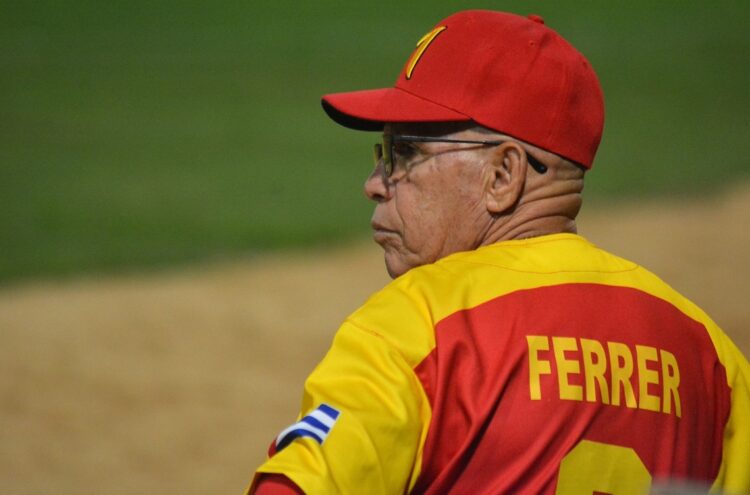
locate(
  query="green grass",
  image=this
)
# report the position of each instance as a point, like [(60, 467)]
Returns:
[(134, 134)]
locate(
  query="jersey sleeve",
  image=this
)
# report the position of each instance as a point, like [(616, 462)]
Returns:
[(361, 424), (734, 472)]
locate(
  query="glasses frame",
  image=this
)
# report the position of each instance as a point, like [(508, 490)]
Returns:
[(384, 150)]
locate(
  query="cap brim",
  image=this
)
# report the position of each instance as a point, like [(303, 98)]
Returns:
[(370, 109)]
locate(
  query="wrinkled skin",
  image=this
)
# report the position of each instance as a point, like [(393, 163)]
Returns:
[(437, 207)]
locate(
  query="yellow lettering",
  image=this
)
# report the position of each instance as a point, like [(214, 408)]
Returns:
[(621, 362), (670, 379), (618, 359), (646, 377), (537, 367), (594, 369), (567, 367)]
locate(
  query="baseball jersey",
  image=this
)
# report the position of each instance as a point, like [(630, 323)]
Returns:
[(544, 365)]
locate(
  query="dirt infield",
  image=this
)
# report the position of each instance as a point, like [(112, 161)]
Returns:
[(177, 383)]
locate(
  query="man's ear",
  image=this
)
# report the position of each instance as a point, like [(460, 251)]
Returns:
[(505, 177)]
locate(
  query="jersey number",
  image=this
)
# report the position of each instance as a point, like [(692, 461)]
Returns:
[(599, 467)]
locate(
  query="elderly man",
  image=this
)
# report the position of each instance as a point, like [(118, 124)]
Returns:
[(509, 355)]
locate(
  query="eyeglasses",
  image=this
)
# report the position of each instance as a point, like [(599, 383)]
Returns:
[(402, 158)]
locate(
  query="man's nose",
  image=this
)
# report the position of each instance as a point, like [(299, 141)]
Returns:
[(377, 186)]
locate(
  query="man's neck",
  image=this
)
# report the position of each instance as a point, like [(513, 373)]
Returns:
[(535, 228), (551, 215)]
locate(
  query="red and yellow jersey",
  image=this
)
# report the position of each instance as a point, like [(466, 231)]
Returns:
[(535, 366)]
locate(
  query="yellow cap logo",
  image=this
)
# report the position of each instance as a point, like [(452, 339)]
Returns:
[(422, 45)]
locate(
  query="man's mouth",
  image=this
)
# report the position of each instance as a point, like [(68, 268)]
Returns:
[(382, 234)]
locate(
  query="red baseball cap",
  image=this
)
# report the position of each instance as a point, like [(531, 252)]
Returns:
[(505, 72)]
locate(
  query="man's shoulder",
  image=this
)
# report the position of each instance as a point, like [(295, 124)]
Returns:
[(419, 299), (564, 252), (407, 310), (470, 277)]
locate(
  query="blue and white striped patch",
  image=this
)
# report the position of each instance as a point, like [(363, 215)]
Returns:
[(316, 425)]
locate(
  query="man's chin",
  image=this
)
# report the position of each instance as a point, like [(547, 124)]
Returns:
[(394, 263)]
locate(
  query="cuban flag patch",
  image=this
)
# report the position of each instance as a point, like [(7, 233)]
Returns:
[(316, 425)]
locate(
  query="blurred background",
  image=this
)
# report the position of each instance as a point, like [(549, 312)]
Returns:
[(136, 134), (182, 228)]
